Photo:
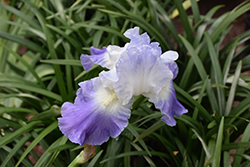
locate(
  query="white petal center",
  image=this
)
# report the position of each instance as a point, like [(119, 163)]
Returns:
[(107, 99)]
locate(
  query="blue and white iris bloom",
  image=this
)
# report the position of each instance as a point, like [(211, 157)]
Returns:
[(102, 106)]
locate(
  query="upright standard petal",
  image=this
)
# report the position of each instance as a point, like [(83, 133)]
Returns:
[(108, 56), (142, 69), (95, 115), (139, 71)]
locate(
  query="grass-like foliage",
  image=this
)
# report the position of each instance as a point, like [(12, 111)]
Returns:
[(40, 46)]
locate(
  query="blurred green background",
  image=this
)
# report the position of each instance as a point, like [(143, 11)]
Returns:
[(40, 46)]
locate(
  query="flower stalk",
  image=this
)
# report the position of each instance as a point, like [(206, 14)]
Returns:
[(84, 156)]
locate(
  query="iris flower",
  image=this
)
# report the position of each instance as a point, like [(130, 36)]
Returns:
[(102, 106)]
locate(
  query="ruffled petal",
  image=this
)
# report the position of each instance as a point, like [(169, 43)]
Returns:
[(95, 115), (136, 40), (174, 68), (156, 47), (140, 71), (106, 57), (98, 56), (108, 78), (168, 58), (86, 62), (168, 104), (115, 53)]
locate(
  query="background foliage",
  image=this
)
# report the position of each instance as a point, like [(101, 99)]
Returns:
[(40, 46)]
